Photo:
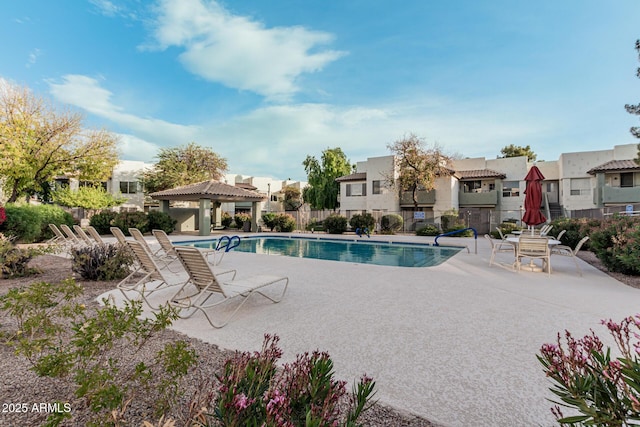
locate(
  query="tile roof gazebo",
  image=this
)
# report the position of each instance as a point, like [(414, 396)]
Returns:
[(206, 192)]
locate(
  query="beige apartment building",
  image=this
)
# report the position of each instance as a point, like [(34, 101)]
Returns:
[(486, 192)]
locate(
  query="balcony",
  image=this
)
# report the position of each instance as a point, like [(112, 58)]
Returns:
[(620, 195), (424, 198), (482, 198)]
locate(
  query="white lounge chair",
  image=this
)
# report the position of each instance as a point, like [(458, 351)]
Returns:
[(564, 250), (146, 278), (71, 237), (119, 235), (95, 235), (207, 285), (83, 236), (159, 254)]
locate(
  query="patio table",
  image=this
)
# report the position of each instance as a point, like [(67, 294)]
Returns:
[(514, 241)]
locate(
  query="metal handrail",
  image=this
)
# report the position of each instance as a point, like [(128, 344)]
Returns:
[(475, 235)]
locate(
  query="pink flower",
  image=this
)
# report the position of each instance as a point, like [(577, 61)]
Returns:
[(240, 401)]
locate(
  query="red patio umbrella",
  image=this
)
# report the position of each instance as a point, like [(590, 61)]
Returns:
[(533, 199)]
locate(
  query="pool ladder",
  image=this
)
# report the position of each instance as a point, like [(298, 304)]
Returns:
[(475, 236)]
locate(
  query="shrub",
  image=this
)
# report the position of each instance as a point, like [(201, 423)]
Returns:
[(226, 219), (460, 226), (241, 218), (391, 223), (616, 244), (285, 222), (22, 224), (126, 220), (102, 262), (253, 392), (61, 338), (577, 228), (335, 224), (14, 261), (428, 230), (365, 220), (314, 225), (103, 221), (605, 392), (269, 220), (161, 221), (51, 214)]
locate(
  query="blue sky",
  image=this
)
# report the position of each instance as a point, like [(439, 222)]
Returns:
[(266, 83)]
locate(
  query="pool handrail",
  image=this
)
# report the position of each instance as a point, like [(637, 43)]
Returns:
[(475, 236), (229, 242)]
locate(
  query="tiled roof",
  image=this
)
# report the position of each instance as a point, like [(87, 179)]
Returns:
[(245, 186), (358, 176), (213, 190), (615, 165), (479, 173)]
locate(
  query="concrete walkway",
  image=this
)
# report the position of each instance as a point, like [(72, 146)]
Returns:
[(454, 343)]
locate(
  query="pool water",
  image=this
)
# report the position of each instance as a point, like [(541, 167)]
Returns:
[(362, 251)]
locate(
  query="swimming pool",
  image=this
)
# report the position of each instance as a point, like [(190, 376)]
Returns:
[(362, 251)]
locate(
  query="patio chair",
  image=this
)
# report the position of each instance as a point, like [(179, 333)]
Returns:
[(165, 243), (119, 235), (545, 230), (83, 236), (95, 235), (159, 254), (498, 246), (71, 237), (207, 285), (58, 238), (534, 248), (146, 272), (564, 250), (503, 236)]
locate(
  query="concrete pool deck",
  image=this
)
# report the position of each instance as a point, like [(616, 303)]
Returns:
[(455, 343)]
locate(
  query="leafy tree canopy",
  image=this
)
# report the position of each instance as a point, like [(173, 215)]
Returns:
[(39, 142), (517, 151), (291, 198), (322, 192), (91, 198), (184, 165), (416, 165)]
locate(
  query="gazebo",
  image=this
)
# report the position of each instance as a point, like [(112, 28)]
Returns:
[(210, 194)]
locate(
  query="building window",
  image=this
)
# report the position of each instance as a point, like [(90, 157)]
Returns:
[(511, 189), (580, 186), (376, 188), (354, 190), (626, 179), (130, 187), (472, 186), (492, 187)]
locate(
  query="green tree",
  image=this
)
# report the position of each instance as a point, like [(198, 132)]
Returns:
[(416, 165), (322, 192), (39, 142), (292, 199), (184, 165), (635, 109), (517, 151), (91, 198)]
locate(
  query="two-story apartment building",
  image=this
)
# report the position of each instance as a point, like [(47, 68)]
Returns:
[(486, 192)]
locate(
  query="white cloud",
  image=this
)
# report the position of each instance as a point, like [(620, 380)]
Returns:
[(86, 93), (274, 140), (239, 52), (105, 7), (33, 57)]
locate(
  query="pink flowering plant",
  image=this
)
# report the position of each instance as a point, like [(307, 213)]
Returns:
[(604, 391), (253, 392), (3, 215)]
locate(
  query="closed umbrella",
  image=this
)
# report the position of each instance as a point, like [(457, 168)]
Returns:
[(533, 198)]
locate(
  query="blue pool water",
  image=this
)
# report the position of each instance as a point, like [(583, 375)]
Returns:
[(363, 251)]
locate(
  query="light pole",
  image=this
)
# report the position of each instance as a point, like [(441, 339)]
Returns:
[(269, 197)]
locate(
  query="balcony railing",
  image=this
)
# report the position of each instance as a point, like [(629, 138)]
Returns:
[(620, 195), (479, 198)]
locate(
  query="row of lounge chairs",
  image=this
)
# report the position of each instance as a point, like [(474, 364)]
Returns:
[(207, 285)]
